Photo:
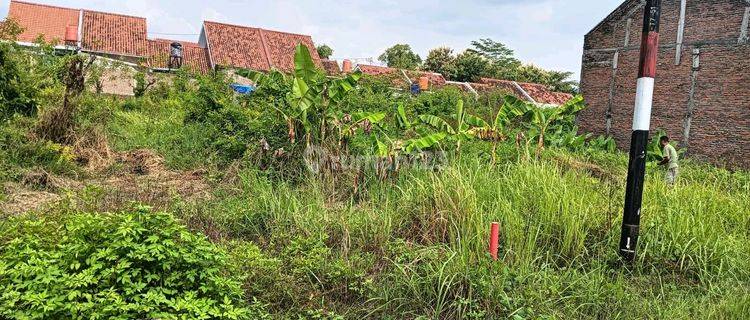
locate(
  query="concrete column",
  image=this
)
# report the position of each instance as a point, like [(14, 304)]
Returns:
[(743, 31), (685, 143), (680, 32)]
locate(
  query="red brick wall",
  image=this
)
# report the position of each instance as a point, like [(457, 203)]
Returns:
[(720, 123)]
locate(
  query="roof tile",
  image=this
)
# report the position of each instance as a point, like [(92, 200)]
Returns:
[(39, 19), (436, 79), (237, 46), (114, 34), (254, 48), (281, 48), (540, 93), (193, 55), (331, 67)]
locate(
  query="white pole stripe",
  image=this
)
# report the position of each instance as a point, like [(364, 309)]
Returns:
[(644, 95)]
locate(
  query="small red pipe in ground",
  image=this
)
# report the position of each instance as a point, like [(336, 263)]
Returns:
[(494, 239)]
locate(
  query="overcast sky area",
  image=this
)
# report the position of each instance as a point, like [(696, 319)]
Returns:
[(547, 33)]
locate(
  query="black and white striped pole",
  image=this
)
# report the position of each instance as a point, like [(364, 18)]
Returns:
[(641, 122)]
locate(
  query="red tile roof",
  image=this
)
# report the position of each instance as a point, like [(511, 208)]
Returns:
[(281, 47), (114, 34), (331, 67), (254, 48), (436, 79), (375, 70), (540, 93), (193, 55), (40, 19), (560, 97)]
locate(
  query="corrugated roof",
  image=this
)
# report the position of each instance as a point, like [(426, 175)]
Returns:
[(40, 19), (193, 55), (114, 34), (255, 48)]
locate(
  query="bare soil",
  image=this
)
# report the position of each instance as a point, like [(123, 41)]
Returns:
[(123, 178)]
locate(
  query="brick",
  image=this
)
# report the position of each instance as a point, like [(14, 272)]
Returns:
[(720, 127)]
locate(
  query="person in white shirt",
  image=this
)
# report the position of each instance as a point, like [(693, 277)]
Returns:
[(670, 160)]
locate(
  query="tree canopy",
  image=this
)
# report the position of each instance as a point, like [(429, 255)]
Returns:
[(401, 56), (441, 60), (324, 51), (492, 59)]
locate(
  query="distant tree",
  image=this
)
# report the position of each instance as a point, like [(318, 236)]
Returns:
[(470, 66), (324, 51), (560, 82), (504, 65), (441, 60), (531, 73), (502, 58), (401, 56)]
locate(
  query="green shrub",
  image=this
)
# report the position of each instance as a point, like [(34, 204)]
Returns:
[(135, 265), (18, 152), (17, 93)]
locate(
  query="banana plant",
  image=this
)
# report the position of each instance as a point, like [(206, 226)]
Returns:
[(541, 119), (460, 131), (312, 94), (425, 140), (495, 132)]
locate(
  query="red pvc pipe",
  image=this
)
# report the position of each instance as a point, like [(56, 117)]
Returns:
[(494, 239)]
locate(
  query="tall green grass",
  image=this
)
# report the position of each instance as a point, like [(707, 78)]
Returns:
[(417, 245)]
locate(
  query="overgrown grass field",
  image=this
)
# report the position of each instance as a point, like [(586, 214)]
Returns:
[(221, 219)]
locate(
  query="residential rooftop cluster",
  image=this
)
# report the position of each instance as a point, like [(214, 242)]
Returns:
[(220, 45)]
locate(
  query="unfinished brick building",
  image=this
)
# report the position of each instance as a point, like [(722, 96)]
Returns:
[(702, 90)]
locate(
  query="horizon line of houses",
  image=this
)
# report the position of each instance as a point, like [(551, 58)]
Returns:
[(220, 45)]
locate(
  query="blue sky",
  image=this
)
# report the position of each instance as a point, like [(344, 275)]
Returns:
[(547, 33)]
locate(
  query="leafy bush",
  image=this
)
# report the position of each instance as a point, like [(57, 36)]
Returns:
[(135, 265), (18, 152), (17, 93)]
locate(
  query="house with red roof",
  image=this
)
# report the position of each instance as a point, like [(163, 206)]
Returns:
[(532, 92), (535, 93), (220, 46), (125, 38), (401, 77)]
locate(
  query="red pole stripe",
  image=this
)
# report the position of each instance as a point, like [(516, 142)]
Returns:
[(649, 52)]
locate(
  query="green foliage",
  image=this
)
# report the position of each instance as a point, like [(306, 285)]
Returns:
[(541, 120), (401, 56), (19, 154), (350, 244), (324, 51), (140, 84), (604, 143), (18, 92), (492, 59), (441, 60), (123, 266), (502, 64), (227, 123), (654, 150), (471, 66), (10, 29)]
